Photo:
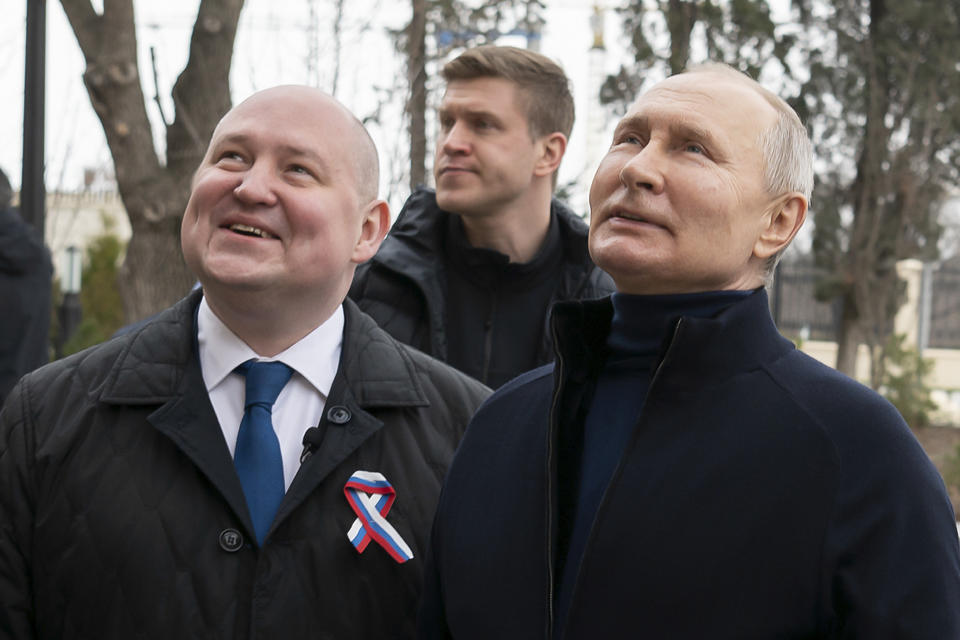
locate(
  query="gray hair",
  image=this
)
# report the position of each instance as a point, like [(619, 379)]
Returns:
[(788, 156), (788, 165)]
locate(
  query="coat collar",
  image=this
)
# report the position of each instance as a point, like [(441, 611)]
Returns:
[(152, 367), (700, 351)]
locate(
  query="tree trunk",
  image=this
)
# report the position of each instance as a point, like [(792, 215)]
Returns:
[(681, 17), (417, 102), (848, 339), (153, 275), (868, 264)]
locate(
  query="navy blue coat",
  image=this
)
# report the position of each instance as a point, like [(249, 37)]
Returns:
[(762, 495)]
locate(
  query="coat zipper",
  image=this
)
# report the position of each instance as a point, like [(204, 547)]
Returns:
[(656, 372), (549, 502), (556, 398)]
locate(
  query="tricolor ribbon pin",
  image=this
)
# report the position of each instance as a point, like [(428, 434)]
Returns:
[(371, 496)]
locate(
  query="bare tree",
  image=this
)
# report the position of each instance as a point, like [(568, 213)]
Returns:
[(883, 102), (663, 33), (417, 103), (154, 190)]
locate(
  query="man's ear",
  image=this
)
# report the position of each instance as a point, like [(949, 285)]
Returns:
[(375, 224), (553, 145), (784, 221)]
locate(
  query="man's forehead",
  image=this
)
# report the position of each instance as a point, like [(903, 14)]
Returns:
[(697, 98), (304, 116), (302, 122), (483, 93)]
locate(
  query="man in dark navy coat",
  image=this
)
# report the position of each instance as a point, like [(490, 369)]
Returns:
[(683, 472)]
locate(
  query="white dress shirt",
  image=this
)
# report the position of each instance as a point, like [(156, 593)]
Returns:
[(314, 360)]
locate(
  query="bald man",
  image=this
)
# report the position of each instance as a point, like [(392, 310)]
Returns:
[(683, 472), (260, 460)]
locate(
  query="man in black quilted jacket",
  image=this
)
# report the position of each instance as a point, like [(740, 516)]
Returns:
[(468, 273), (258, 461)]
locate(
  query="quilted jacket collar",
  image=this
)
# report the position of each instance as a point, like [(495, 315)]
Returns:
[(153, 365), (153, 361)]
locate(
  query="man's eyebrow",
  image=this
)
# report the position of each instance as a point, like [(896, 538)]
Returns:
[(233, 138), (691, 131), (469, 112), (633, 122)]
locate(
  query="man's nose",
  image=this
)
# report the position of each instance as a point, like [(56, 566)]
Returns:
[(455, 140), (645, 169), (257, 185)]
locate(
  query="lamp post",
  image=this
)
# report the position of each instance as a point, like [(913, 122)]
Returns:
[(32, 189), (70, 311)]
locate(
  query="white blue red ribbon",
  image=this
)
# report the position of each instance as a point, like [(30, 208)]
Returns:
[(371, 496)]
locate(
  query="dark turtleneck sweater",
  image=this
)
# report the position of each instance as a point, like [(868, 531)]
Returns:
[(640, 330)]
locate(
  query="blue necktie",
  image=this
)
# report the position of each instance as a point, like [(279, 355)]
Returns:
[(257, 454)]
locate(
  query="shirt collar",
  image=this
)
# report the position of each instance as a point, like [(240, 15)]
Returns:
[(316, 356)]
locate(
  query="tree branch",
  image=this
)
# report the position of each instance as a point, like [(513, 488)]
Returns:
[(85, 23), (201, 94), (109, 45), (156, 85)]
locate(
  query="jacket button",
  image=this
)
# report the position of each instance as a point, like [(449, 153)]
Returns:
[(231, 540), (339, 415)]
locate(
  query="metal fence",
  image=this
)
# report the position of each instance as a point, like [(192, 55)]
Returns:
[(944, 304), (795, 308), (799, 314)]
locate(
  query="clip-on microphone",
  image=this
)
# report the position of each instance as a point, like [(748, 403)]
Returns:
[(312, 438)]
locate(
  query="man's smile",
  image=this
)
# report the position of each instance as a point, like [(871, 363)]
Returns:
[(247, 230)]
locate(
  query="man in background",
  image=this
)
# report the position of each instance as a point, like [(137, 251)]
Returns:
[(683, 471), (468, 273), (25, 286), (259, 460)]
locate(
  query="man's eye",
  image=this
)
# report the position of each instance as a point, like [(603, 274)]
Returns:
[(627, 138), (693, 147), (230, 156)]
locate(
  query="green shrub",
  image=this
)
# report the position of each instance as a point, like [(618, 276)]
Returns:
[(99, 296), (903, 381)]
